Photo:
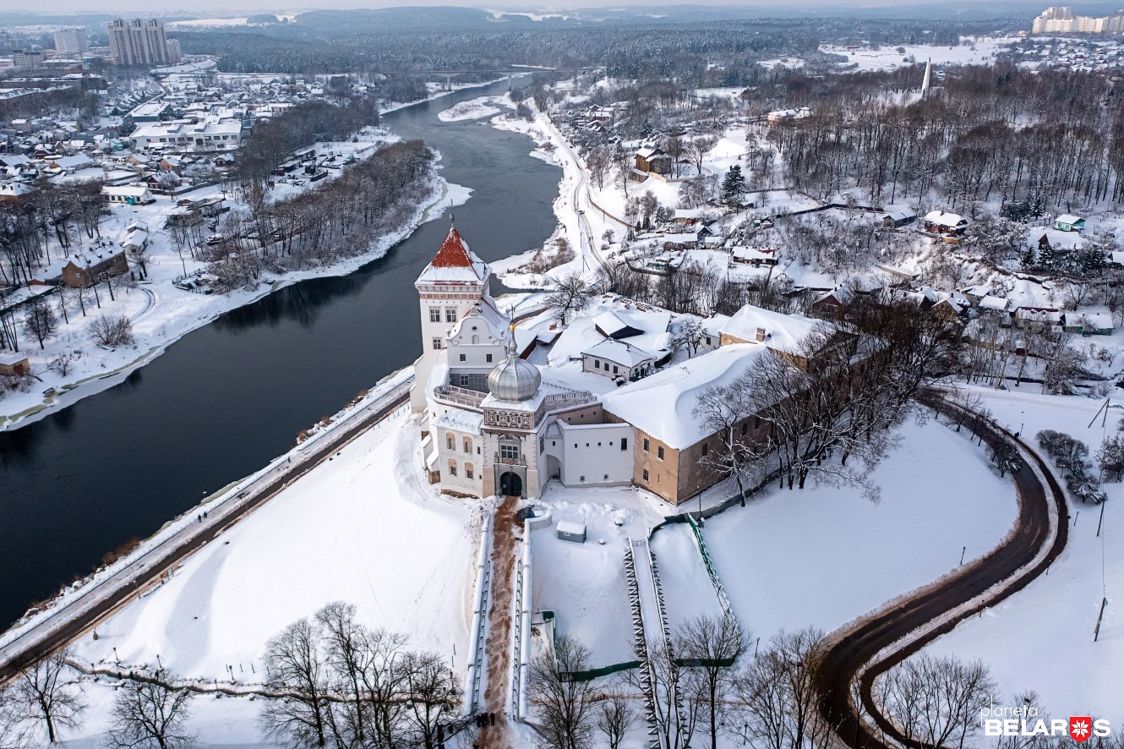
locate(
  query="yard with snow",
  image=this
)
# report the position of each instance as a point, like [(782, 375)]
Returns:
[(826, 555), (364, 528)]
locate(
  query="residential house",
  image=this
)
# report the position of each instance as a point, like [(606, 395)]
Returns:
[(1069, 222), (940, 222)]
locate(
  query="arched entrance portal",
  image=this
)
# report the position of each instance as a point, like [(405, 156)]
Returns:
[(511, 485)]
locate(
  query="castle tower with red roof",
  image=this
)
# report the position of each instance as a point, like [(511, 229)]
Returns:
[(453, 283)]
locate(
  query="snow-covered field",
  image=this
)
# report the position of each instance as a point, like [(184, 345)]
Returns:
[(826, 555), (1041, 638), (365, 528), (970, 51)]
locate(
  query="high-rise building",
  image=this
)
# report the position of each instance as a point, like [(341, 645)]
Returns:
[(138, 42), (70, 41), (1060, 20)]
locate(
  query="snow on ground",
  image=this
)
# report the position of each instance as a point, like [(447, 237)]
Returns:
[(826, 555), (473, 109), (584, 584), (688, 591), (160, 312), (970, 51), (1041, 638), (347, 531)]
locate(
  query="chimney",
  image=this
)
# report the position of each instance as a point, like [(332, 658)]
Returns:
[(760, 335)]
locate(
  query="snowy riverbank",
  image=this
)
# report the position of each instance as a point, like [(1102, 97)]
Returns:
[(161, 314)]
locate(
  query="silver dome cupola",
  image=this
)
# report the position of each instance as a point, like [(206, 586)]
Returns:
[(514, 379)]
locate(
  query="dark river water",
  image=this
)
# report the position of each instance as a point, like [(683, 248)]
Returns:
[(227, 398)]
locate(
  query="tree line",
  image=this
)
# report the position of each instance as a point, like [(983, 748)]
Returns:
[(762, 697), (1044, 137), (340, 219), (330, 681)]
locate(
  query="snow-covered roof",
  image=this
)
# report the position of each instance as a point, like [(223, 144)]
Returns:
[(454, 263), (994, 303), (460, 420), (663, 405), (1068, 218), (620, 352), (782, 332), (950, 220), (135, 191)]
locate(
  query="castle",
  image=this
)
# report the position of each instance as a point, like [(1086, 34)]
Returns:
[(607, 403)]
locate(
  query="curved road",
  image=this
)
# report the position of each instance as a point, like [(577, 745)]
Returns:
[(860, 652)]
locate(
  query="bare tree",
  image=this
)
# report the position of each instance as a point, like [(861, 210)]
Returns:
[(150, 714), (777, 697), (435, 695), (563, 704), (725, 409), (712, 646), (615, 716), (570, 294), (935, 700), (39, 320), (699, 148), (45, 692), (13, 723), (295, 669), (112, 331)]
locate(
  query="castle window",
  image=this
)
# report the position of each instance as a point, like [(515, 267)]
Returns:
[(450, 441), (705, 448), (509, 451), (435, 314), (468, 473), (645, 474), (437, 344), (488, 358), (659, 452), (467, 445), (452, 468), (624, 443), (646, 445), (462, 357), (450, 314)]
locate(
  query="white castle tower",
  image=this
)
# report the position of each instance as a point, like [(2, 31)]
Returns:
[(453, 283)]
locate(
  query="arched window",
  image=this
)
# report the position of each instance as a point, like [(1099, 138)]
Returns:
[(450, 441), (468, 471), (475, 339), (452, 468), (467, 445)]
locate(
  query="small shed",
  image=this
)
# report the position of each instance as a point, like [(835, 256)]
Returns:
[(14, 363), (570, 531), (895, 219), (1069, 222)]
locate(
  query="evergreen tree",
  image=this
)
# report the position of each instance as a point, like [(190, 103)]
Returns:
[(1030, 257), (1047, 258), (733, 186)]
